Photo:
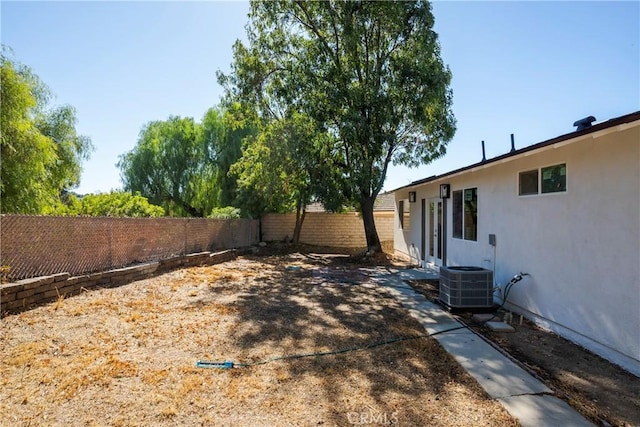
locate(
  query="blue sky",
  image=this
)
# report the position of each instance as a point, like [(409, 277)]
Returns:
[(528, 68)]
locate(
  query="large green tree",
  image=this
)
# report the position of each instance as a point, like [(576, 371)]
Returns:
[(184, 165), (167, 166), (59, 124), (41, 152), (277, 171), (224, 132), (368, 73)]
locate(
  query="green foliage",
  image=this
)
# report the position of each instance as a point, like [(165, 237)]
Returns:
[(183, 165), (167, 166), (114, 204), (40, 150), (214, 131), (71, 149), (369, 74), (228, 212), (224, 131), (26, 153), (277, 168)]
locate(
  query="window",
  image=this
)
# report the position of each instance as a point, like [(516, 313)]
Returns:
[(471, 214), (554, 179), (528, 183), (551, 179), (432, 221), (457, 214), (465, 214), (404, 213)]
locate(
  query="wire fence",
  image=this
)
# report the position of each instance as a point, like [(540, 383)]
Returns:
[(43, 245)]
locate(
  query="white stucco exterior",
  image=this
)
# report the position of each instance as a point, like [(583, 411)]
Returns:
[(581, 246)]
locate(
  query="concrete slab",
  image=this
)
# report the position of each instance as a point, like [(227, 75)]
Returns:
[(433, 324), (543, 410), (500, 327), (524, 397), (486, 317), (497, 374), (430, 315), (418, 274)]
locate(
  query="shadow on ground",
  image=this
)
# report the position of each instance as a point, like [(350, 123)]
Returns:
[(316, 303), (598, 389)]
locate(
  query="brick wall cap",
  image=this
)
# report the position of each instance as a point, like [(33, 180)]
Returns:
[(11, 285), (35, 281), (198, 254)]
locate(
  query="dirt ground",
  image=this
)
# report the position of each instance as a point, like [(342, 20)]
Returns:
[(127, 355), (601, 391)]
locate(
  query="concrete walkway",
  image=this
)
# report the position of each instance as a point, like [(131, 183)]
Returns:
[(524, 397)]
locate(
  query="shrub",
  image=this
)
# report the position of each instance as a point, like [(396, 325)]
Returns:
[(115, 204), (228, 212)]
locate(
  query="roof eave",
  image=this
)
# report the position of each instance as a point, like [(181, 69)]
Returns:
[(569, 138)]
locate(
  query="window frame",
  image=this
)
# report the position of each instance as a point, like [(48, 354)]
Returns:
[(520, 174), (465, 228), (540, 180), (404, 207), (458, 229)]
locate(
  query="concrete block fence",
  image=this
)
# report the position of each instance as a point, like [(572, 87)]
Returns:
[(32, 246), (327, 229), (49, 257)]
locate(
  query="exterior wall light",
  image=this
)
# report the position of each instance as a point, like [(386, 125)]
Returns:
[(445, 191)]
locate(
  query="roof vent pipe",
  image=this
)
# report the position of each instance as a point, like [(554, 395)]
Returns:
[(584, 123), (484, 158), (513, 144)]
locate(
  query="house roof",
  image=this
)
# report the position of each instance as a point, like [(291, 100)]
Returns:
[(385, 202), (315, 207), (628, 118)]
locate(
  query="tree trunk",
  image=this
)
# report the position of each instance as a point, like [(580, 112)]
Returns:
[(300, 214), (189, 209), (192, 211), (370, 232)]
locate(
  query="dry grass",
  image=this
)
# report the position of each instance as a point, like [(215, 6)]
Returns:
[(604, 393), (127, 356)]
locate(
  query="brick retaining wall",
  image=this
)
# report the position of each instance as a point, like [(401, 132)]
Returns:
[(19, 296)]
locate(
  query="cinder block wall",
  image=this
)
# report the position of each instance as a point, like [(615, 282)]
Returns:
[(34, 246), (327, 229)]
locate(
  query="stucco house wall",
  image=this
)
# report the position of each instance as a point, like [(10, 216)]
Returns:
[(581, 247)]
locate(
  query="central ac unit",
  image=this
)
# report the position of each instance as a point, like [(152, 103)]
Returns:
[(466, 287)]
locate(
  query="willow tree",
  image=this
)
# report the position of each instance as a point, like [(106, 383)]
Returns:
[(183, 165), (40, 151), (168, 166), (368, 73)]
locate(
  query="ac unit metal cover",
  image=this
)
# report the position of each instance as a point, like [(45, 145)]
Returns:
[(466, 287)]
